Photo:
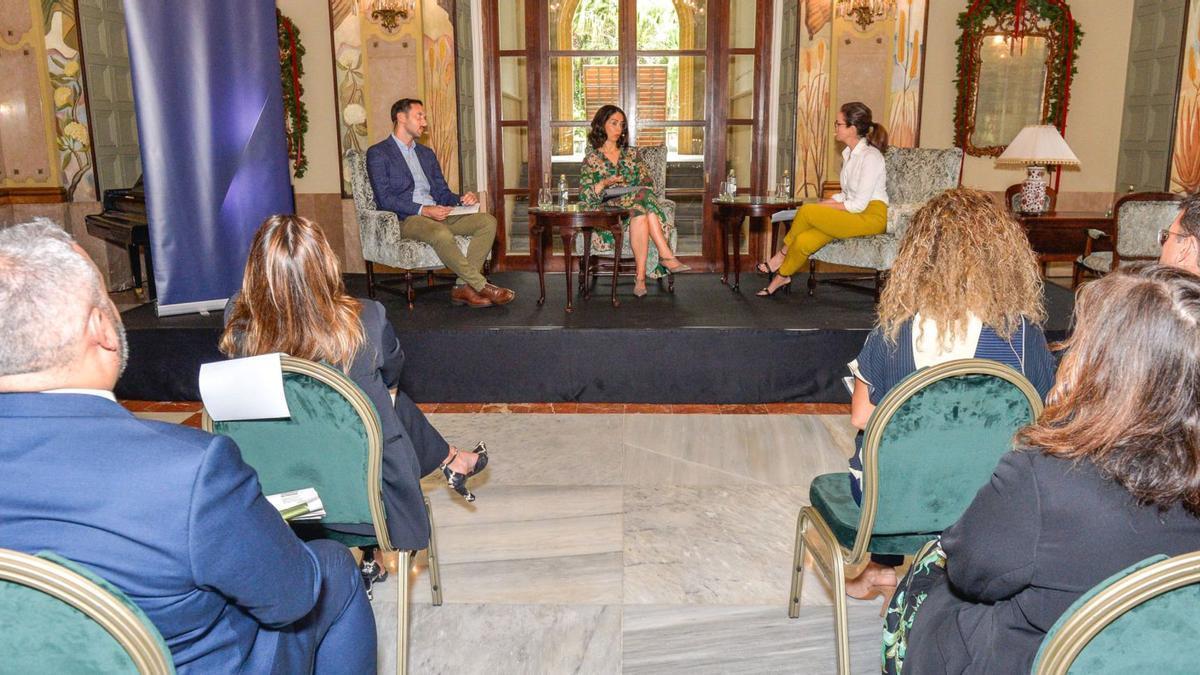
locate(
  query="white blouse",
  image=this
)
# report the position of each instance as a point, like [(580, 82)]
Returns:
[(863, 177)]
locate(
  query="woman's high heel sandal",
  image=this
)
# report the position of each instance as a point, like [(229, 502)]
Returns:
[(767, 292), (681, 268), (458, 481), (639, 288)]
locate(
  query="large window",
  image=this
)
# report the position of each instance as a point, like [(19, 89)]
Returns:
[(556, 61)]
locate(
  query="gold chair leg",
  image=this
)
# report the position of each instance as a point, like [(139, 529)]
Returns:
[(841, 621), (797, 569), (435, 571), (830, 561), (402, 613)]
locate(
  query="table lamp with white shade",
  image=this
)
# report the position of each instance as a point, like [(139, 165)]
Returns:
[(1037, 146)]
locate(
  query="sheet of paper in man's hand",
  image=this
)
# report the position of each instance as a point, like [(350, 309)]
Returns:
[(244, 389), (465, 210)]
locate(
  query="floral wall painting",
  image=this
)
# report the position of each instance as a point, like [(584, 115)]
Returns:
[(904, 97), (441, 98), (349, 80), (812, 97), (1185, 159), (73, 140)]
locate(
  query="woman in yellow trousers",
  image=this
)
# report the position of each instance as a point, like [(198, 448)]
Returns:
[(859, 210)]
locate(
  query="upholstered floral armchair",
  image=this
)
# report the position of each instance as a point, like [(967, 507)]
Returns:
[(1139, 217), (379, 232), (914, 176), (655, 158)]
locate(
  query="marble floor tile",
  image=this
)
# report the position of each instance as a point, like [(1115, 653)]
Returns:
[(841, 431), (504, 638), (744, 639), (710, 545), (727, 449), (540, 544), (536, 449)]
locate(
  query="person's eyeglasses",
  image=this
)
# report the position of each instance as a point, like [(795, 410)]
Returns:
[(1163, 235), (839, 124)]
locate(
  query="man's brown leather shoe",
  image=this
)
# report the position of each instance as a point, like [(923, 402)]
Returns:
[(465, 295), (498, 295)]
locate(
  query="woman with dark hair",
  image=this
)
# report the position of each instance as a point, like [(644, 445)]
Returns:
[(859, 210), (293, 300), (1108, 476), (607, 168)]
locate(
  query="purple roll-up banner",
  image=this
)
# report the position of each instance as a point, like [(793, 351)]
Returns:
[(209, 104)]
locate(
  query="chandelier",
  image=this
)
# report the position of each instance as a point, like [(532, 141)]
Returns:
[(386, 13), (865, 12)]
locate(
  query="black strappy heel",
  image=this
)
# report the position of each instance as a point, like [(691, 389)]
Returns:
[(458, 481)]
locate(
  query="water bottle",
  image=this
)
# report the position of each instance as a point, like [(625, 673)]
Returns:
[(785, 185), (731, 184), (562, 190)]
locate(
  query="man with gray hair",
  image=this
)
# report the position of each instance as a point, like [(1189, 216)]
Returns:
[(170, 515), (1181, 240)]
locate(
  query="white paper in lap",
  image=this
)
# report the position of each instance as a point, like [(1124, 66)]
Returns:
[(244, 389)]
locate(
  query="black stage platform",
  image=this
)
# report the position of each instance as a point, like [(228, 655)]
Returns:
[(703, 344)]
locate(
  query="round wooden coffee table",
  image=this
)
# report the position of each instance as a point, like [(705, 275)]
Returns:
[(730, 213), (569, 221)]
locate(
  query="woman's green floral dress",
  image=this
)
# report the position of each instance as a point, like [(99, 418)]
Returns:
[(906, 600), (596, 167)]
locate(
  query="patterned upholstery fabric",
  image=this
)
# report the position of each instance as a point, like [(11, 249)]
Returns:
[(914, 175), (1138, 223), (380, 230), (655, 157)]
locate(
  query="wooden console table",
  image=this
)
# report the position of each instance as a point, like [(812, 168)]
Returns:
[(575, 219), (1059, 236)]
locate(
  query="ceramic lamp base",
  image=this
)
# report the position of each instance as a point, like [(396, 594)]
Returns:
[(1033, 191)]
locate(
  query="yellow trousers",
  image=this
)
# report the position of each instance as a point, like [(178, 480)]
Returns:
[(816, 225)]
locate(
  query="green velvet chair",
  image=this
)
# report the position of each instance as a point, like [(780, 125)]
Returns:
[(59, 617), (332, 442), (1142, 619), (929, 446)]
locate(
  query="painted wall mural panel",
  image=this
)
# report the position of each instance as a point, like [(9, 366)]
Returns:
[(375, 66), (1185, 159), (904, 96), (812, 97), (73, 140)]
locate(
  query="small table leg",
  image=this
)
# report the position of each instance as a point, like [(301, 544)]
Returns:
[(723, 225), (568, 235), (585, 289), (737, 255), (540, 256), (618, 237), (153, 295)]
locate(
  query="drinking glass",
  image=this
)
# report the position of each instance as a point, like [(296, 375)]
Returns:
[(545, 198)]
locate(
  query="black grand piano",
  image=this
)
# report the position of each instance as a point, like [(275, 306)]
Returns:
[(123, 222)]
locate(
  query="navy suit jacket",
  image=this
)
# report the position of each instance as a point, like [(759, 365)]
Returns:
[(171, 515), (393, 183)]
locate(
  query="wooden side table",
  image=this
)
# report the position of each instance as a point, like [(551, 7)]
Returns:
[(1059, 236), (572, 220), (730, 213)]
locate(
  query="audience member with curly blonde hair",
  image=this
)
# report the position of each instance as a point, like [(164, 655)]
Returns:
[(965, 285)]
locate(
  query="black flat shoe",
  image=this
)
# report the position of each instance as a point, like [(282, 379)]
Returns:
[(767, 292), (458, 481)]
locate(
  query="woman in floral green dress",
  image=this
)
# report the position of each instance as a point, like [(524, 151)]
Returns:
[(611, 163)]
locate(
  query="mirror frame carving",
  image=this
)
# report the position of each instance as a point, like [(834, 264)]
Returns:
[(1015, 19)]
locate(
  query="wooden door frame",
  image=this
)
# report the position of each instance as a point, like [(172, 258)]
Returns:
[(717, 53)]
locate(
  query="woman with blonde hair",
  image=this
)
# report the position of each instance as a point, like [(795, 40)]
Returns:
[(293, 300), (859, 210), (965, 284), (1108, 476)]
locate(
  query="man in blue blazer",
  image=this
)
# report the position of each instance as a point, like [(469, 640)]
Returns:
[(407, 180), (168, 514)]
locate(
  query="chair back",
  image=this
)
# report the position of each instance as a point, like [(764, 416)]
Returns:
[(360, 181), (1139, 217), (916, 175), (332, 442), (655, 159), (1141, 619), (59, 617), (1012, 198), (935, 439)]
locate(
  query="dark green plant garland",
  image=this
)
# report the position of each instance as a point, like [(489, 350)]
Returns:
[(1057, 74), (291, 69)]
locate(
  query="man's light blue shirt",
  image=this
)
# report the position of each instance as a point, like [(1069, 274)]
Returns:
[(421, 194)]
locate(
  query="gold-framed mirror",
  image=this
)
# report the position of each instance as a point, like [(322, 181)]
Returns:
[(1015, 62)]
